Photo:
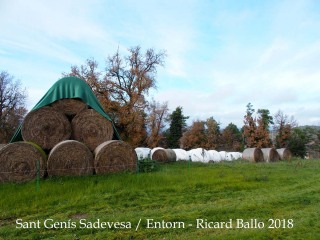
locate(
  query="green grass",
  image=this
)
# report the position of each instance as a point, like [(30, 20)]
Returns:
[(179, 192)]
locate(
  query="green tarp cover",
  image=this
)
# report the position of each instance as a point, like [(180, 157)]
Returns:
[(69, 87)]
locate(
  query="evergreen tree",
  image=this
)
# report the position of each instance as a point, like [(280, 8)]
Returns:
[(177, 125), (297, 142), (232, 138), (267, 120)]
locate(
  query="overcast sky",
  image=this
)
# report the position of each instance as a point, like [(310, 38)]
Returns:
[(221, 55)]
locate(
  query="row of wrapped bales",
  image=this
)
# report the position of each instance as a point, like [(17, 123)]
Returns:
[(195, 155), (203, 155)]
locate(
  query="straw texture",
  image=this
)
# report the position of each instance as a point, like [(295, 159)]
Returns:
[(164, 155), (284, 153), (253, 155), (46, 127), (91, 128), (270, 154), (70, 158), (69, 106), (19, 160), (115, 156)]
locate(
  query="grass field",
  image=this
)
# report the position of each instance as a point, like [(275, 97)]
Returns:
[(282, 195)]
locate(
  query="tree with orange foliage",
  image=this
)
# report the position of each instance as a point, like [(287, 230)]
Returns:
[(283, 127), (122, 88), (202, 134), (256, 130), (262, 136), (249, 127), (213, 136), (194, 137)]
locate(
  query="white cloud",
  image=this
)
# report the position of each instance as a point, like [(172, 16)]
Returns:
[(219, 58)]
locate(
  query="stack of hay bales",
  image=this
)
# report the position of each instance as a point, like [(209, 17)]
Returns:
[(75, 133)]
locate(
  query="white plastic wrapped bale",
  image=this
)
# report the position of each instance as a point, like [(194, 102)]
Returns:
[(199, 155), (233, 156), (142, 152), (182, 155), (214, 155), (237, 155), (223, 155), (229, 156)]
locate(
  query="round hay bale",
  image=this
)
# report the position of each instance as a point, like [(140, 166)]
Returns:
[(270, 154), (91, 128), (69, 106), (70, 158), (284, 153), (115, 156), (253, 154), (164, 155), (46, 127), (19, 162), (153, 150)]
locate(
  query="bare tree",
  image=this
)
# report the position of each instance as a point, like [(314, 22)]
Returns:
[(283, 125), (12, 110), (157, 117)]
